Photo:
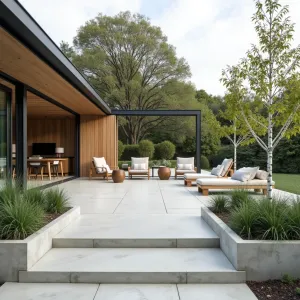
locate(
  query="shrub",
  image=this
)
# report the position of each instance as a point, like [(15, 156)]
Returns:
[(272, 221), (204, 162), (146, 149), (220, 203), (19, 219), (297, 291), (288, 279), (165, 150), (9, 194), (293, 215), (56, 201), (243, 219), (35, 196), (121, 148), (238, 197), (130, 151)]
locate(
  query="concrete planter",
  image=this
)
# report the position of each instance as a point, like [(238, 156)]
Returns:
[(16, 255), (262, 260)]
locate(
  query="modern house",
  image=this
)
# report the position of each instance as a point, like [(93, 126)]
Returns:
[(45, 103)]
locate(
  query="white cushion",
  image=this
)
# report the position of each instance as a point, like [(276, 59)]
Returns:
[(197, 175), (185, 171), (260, 174), (101, 165), (226, 165), (245, 174), (139, 167), (138, 171), (140, 160), (229, 181), (217, 170), (185, 167), (186, 160)]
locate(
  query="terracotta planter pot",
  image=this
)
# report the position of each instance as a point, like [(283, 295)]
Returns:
[(118, 176), (164, 173)]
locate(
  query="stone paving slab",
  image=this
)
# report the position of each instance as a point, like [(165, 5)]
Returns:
[(69, 291)]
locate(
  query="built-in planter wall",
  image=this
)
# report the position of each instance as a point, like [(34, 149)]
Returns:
[(262, 260), (17, 255)]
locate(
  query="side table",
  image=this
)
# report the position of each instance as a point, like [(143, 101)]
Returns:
[(118, 176), (164, 173)]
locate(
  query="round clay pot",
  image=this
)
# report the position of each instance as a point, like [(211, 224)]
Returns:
[(118, 176), (164, 173)]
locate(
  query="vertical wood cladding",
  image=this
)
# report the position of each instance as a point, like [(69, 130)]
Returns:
[(98, 137)]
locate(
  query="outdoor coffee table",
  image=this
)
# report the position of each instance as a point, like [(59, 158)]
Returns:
[(118, 176)]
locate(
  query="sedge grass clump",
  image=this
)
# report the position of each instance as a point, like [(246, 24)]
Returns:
[(9, 194), (220, 203), (238, 197), (20, 219), (243, 219), (293, 219), (56, 201), (35, 196)]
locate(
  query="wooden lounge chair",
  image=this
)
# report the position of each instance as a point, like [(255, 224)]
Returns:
[(185, 165), (99, 168), (204, 185), (189, 178), (139, 166)]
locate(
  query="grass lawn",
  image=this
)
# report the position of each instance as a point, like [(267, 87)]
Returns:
[(287, 182)]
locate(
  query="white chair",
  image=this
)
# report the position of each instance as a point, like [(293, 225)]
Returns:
[(139, 166), (99, 168), (185, 165)]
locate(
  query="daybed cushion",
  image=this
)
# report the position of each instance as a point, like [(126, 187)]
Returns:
[(186, 160), (226, 165), (260, 174), (140, 161), (245, 174), (217, 171), (229, 182), (185, 171), (185, 167), (198, 175)]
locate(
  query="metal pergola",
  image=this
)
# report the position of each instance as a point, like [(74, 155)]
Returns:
[(178, 113)]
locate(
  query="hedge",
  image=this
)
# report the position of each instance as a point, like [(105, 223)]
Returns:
[(130, 151), (121, 148), (204, 163), (165, 150), (146, 149)]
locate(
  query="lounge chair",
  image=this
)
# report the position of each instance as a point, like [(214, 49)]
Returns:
[(139, 166), (185, 165), (224, 173), (99, 168)]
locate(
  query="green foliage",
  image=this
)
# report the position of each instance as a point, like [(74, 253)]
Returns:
[(239, 197), (297, 291), (204, 163), (165, 150), (293, 213), (9, 194), (220, 203), (130, 151), (163, 162), (243, 219), (19, 219), (121, 148), (121, 162), (35, 196), (57, 201), (288, 279), (146, 149)]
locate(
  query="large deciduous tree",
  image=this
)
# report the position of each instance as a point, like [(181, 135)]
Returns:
[(270, 77), (131, 65)]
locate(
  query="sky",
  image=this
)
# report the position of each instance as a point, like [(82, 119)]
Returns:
[(209, 34)]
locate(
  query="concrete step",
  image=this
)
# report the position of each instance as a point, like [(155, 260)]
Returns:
[(132, 265), (137, 231)]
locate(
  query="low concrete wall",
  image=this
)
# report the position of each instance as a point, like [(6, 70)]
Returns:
[(262, 260), (16, 255)]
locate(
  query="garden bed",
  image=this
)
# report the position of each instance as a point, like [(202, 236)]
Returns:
[(275, 290)]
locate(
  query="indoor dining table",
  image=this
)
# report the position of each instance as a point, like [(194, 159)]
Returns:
[(48, 161)]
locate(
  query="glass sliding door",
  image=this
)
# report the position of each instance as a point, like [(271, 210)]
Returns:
[(5, 133)]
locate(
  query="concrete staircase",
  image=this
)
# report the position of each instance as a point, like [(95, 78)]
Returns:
[(122, 256)]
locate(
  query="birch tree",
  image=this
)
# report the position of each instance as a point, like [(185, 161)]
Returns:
[(270, 78)]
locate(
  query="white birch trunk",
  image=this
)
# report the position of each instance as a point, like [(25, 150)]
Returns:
[(270, 156), (234, 146)]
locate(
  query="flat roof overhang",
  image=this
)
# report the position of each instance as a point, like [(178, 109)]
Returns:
[(17, 21)]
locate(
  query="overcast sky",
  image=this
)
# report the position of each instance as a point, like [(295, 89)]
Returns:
[(210, 34)]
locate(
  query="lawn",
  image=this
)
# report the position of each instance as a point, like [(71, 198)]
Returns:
[(287, 182)]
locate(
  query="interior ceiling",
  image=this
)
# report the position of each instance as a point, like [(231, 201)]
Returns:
[(38, 107), (20, 63)]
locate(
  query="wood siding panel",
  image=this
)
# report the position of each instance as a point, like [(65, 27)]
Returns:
[(98, 137), (59, 131)]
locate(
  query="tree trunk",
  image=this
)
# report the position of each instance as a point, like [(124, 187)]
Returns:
[(270, 156), (234, 158)]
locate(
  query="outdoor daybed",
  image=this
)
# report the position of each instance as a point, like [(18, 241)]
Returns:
[(185, 165), (241, 179), (139, 166), (221, 171)]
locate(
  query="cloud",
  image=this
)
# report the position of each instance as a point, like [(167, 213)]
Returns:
[(210, 34)]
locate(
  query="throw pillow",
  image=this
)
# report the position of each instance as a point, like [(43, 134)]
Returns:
[(139, 166), (244, 174), (185, 167), (217, 170), (252, 170), (226, 165), (262, 175)]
